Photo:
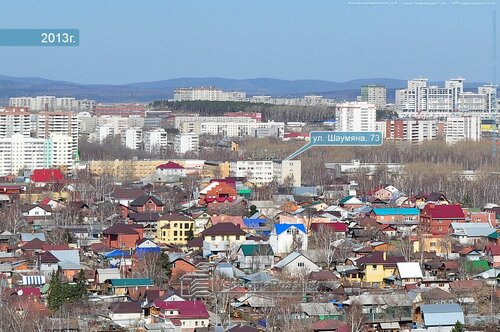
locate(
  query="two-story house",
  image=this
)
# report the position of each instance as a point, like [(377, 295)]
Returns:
[(183, 314), (255, 257), (376, 266), (122, 236), (175, 228), (222, 239), (436, 219), (286, 238), (395, 215), (147, 203)]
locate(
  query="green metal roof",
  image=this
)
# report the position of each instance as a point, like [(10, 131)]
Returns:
[(257, 249), (131, 282), (345, 199), (494, 235), (476, 266)]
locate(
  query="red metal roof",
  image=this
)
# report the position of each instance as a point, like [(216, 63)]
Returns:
[(334, 226), (47, 175), (451, 211), (169, 165), (186, 309)]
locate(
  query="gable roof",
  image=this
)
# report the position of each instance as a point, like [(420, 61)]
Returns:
[(350, 200), (451, 211), (169, 165), (121, 228), (442, 314), (35, 244), (377, 257), (334, 226), (174, 216), (290, 258), (48, 257), (186, 309), (280, 228), (143, 199), (257, 249), (223, 228), (125, 307), (127, 193)]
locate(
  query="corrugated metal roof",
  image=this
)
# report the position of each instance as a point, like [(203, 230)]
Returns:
[(442, 314)]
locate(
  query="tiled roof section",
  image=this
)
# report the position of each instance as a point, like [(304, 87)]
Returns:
[(121, 229), (437, 294), (223, 228), (125, 307), (377, 257), (35, 244), (143, 199), (451, 211), (493, 249), (330, 325), (237, 220), (127, 193), (169, 165), (333, 226), (197, 242), (175, 216), (144, 216), (465, 284), (186, 309), (323, 275), (47, 257)]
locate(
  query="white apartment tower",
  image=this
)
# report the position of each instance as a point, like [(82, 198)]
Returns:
[(355, 116), (155, 140), (15, 121), (19, 152), (374, 94), (463, 128), (133, 138), (261, 172), (186, 142)]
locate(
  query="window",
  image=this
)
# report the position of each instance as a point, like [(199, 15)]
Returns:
[(374, 267), (186, 225), (440, 229), (237, 237), (433, 244), (212, 238), (300, 264), (175, 233)]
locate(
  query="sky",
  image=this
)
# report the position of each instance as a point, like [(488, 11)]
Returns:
[(125, 41)]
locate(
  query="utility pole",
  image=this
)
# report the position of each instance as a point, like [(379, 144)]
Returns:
[(494, 76)]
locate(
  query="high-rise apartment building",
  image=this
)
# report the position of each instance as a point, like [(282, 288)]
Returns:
[(374, 94), (413, 131), (19, 152), (15, 120), (418, 99), (133, 138), (262, 172), (463, 128), (355, 116), (207, 94), (155, 140)]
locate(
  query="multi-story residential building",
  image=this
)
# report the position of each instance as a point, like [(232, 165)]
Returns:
[(15, 120), (105, 132), (262, 172), (208, 94), (133, 138), (227, 127), (120, 109), (119, 124), (64, 123), (374, 94), (463, 128), (418, 99), (355, 116), (60, 151), (414, 131), (155, 140), (52, 103), (186, 142), (175, 228), (19, 152)]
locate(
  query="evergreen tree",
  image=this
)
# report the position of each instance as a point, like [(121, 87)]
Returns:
[(165, 263), (458, 327), (81, 286), (56, 295), (252, 210), (190, 233)]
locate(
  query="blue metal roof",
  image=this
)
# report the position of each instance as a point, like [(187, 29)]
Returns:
[(396, 211), (254, 222), (280, 228), (442, 314)]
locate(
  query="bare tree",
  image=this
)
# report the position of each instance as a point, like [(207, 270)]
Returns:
[(355, 318)]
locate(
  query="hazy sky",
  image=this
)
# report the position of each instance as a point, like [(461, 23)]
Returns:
[(123, 41)]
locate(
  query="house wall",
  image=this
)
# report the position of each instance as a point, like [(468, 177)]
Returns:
[(125, 319), (176, 234), (377, 272), (284, 242), (300, 266)]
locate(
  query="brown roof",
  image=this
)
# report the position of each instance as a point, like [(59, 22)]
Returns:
[(127, 193), (47, 257), (323, 275), (125, 307), (175, 216), (121, 229), (465, 284), (35, 244), (436, 294), (330, 325), (196, 242), (377, 257), (143, 199), (223, 228)]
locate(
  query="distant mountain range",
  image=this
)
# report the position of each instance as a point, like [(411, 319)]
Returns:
[(150, 91)]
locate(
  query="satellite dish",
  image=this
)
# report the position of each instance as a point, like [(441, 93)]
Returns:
[(20, 292)]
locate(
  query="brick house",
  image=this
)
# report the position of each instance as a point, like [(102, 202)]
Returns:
[(147, 203), (122, 236), (436, 219)]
